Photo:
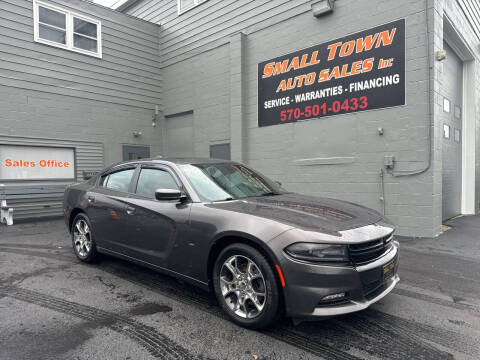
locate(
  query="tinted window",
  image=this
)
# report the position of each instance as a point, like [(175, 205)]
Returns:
[(119, 181), (215, 182), (152, 179)]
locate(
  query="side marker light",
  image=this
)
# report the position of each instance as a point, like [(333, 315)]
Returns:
[(280, 274)]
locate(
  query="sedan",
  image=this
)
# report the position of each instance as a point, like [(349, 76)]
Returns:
[(220, 225)]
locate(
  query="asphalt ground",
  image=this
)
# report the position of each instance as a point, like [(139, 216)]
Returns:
[(52, 306)]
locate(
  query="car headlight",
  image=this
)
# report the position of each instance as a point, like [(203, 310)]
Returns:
[(314, 252)]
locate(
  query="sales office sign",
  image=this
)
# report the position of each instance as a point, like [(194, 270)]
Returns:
[(362, 71), (36, 163)]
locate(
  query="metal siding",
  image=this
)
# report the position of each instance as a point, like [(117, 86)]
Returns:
[(51, 96), (128, 73), (211, 23), (471, 9), (33, 199)]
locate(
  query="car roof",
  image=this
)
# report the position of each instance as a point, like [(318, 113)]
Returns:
[(172, 160), (190, 160)]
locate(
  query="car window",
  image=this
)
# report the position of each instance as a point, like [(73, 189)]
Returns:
[(218, 181), (119, 181), (150, 180)]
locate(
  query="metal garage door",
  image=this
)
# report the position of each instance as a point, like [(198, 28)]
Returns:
[(134, 152), (180, 136), (451, 116)]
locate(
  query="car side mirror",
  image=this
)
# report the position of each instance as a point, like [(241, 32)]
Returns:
[(278, 183), (169, 194)]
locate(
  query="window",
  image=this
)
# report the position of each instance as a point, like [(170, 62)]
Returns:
[(61, 28), (150, 180), (458, 112), (185, 5), (446, 105), (119, 181), (217, 182), (457, 135), (446, 131), (52, 25)]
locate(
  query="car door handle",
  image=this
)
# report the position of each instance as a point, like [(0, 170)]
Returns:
[(130, 210), (91, 199)]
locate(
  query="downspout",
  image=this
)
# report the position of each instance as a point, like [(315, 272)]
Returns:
[(430, 119), (382, 190)]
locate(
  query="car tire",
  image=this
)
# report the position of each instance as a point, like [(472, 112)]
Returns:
[(237, 294), (83, 242)]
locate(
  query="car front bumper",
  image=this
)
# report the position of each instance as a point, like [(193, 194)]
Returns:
[(308, 284)]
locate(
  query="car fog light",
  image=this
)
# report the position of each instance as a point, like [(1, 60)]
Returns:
[(333, 297)]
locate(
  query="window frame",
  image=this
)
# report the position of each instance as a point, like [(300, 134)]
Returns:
[(175, 180), (162, 167), (195, 4), (108, 172), (69, 31)]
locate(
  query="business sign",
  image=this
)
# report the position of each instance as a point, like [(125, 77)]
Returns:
[(362, 71), (36, 162)]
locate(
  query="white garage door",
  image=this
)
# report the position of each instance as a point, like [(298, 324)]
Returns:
[(451, 116)]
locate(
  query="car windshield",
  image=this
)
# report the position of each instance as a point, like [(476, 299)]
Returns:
[(228, 181)]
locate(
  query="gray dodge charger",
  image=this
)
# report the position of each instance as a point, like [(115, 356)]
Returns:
[(220, 225)]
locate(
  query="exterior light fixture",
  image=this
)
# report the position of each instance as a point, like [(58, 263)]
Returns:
[(334, 297), (137, 133), (322, 7), (441, 55)]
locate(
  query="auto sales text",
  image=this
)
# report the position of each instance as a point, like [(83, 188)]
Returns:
[(334, 50)]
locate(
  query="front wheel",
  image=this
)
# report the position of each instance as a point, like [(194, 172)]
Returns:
[(82, 239), (245, 286)]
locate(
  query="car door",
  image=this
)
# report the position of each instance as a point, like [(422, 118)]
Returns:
[(108, 207), (157, 229)]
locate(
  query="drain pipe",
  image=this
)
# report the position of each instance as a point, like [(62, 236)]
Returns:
[(430, 121), (382, 190)]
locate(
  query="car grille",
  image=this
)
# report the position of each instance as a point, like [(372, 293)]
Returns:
[(370, 250), (373, 289)]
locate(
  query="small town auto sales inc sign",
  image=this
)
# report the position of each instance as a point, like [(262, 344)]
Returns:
[(362, 71)]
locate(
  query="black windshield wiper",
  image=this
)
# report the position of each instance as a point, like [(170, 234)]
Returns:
[(270, 193), (226, 199)]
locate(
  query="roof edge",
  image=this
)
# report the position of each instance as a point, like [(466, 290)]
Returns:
[(126, 5)]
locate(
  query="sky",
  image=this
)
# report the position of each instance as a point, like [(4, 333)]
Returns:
[(110, 3)]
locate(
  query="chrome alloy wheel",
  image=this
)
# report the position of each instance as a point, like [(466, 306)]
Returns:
[(243, 286), (82, 238)]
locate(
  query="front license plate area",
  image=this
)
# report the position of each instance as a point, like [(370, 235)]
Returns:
[(388, 271)]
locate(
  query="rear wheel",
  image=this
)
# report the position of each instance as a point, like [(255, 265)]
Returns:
[(245, 286), (82, 239)]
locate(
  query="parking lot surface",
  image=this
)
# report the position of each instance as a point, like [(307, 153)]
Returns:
[(52, 306)]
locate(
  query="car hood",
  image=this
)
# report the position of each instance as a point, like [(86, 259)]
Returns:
[(306, 212)]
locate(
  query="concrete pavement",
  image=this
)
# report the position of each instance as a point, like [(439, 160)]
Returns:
[(54, 307)]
